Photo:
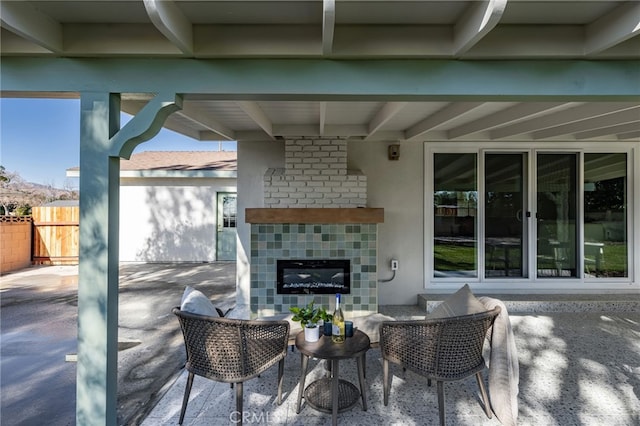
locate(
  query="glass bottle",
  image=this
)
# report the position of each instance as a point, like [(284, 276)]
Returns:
[(337, 335)]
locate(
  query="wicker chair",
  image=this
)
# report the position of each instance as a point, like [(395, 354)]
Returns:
[(231, 350), (443, 349)]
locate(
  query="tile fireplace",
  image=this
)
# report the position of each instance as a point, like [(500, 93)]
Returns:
[(354, 241)]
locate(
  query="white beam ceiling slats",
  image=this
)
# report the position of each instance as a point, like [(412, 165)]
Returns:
[(339, 31), (171, 22), (617, 26), (328, 24), (25, 20), (580, 113), (480, 18)]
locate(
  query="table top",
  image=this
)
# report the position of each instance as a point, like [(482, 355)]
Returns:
[(324, 348)]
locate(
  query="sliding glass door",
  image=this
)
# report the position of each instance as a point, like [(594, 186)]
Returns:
[(505, 215), (530, 215), (556, 215)]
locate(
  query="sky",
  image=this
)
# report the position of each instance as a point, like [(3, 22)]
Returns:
[(40, 140)]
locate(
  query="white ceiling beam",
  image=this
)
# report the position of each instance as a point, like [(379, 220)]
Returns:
[(328, 25), (578, 113), (386, 113), (23, 19), (323, 117), (446, 114), (608, 120), (193, 113), (253, 110), (612, 130), (477, 21), (617, 26), (509, 115), (172, 23), (630, 135)]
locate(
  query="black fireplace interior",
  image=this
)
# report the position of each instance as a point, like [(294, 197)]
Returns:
[(313, 276)]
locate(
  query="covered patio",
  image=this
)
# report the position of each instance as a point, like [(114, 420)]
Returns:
[(576, 368), (484, 75)]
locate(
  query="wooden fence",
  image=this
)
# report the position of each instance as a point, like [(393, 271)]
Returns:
[(56, 235)]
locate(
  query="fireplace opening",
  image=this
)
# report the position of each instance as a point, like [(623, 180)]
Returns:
[(313, 276)]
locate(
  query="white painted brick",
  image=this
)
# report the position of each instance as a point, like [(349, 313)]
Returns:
[(315, 183), (323, 189), (311, 160), (321, 154), (322, 142), (319, 177), (314, 195), (311, 172), (340, 189), (306, 189), (330, 148), (288, 189)]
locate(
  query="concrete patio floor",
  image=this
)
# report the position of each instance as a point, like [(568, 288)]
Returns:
[(578, 368)]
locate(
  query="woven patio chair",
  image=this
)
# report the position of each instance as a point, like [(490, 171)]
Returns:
[(443, 349), (231, 351)]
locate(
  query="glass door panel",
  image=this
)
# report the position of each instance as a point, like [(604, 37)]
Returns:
[(556, 216), (605, 215), (505, 215), (455, 203)]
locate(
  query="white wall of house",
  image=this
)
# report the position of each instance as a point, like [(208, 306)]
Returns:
[(399, 188), (396, 186), (254, 158), (169, 219)]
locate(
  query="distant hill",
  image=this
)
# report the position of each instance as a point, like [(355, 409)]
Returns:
[(17, 196)]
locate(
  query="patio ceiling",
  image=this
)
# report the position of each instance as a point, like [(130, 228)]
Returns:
[(350, 30)]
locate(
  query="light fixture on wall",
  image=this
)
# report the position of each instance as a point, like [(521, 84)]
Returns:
[(394, 152)]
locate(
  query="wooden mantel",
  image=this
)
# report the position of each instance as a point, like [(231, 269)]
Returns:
[(314, 215)]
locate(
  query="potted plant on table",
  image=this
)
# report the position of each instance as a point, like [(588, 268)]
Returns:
[(308, 317)]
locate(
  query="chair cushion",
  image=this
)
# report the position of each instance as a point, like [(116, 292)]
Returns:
[(196, 302), (370, 325), (462, 302)]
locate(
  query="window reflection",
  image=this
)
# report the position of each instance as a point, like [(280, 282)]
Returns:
[(605, 217), (455, 204)]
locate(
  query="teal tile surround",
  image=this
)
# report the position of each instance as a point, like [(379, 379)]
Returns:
[(356, 242)]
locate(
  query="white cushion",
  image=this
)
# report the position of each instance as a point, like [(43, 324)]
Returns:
[(462, 302), (370, 325), (196, 302)]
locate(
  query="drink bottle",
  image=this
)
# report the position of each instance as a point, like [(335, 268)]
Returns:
[(337, 335)]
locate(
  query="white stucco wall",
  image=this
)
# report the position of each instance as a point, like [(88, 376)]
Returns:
[(169, 219), (254, 158), (396, 186)]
